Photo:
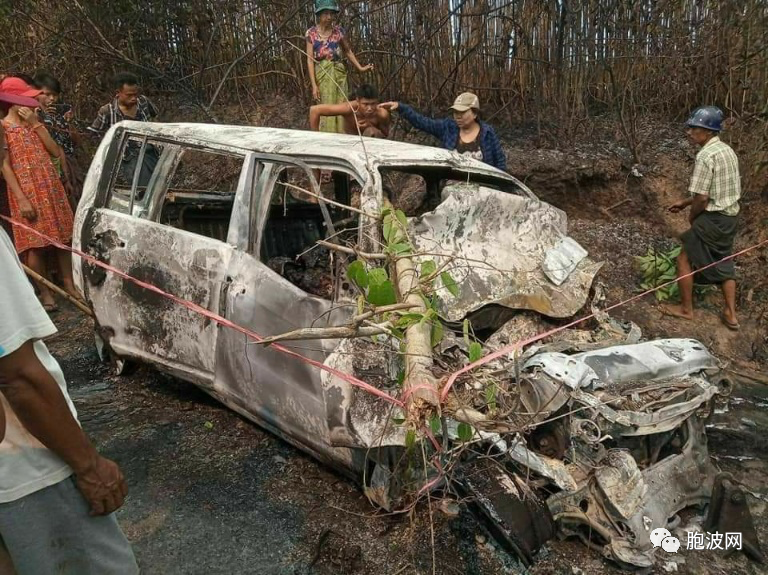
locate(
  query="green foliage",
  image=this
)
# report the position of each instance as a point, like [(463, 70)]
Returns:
[(475, 351), (382, 293), (465, 432), (490, 396), (437, 333), (450, 283), (410, 438), (375, 284), (428, 267), (435, 424), (357, 273), (658, 268)]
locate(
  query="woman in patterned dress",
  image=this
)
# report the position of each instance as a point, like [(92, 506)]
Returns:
[(37, 196), (327, 46)]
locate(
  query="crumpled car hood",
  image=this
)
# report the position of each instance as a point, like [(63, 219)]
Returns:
[(503, 249)]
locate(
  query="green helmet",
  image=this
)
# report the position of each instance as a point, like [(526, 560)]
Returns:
[(321, 5)]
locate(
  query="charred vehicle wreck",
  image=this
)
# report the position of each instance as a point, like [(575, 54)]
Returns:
[(412, 263)]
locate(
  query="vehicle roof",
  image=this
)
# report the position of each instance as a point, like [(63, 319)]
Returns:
[(353, 149)]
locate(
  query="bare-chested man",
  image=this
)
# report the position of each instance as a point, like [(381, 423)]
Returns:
[(362, 116)]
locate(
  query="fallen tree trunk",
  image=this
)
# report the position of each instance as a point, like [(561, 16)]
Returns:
[(420, 387)]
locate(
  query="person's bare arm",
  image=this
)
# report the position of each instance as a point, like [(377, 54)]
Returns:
[(698, 205), (73, 132), (25, 206), (311, 70), (29, 116), (680, 205), (352, 58), (37, 401), (318, 110)]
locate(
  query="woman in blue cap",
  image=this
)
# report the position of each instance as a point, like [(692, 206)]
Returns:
[(327, 46)]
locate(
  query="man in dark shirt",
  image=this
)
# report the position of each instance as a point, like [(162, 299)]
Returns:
[(128, 104)]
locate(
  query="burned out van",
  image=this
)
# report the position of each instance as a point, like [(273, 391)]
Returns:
[(408, 264)]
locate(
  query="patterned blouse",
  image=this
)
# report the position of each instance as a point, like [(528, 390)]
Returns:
[(327, 48), (58, 128)]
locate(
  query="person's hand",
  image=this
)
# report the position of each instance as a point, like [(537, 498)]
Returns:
[(29, 116), (677, 206), (366, 67), (103, 486), (389, 106), (68, 115), (27, 210), (315, 93)]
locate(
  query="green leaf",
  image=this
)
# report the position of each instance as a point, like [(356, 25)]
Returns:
[(428, 316), (465, 432), (400, 377), (435, 424), (437, 333), (357, 273), (397, 333), (475, 351), (449, 283), (400, 215), (428, 267), (410, 438), (382, 294), (490, 395), (386, 229), (377, 276), (398, 420), (408, 319), (208, 425), (465, 330), (398, 249)]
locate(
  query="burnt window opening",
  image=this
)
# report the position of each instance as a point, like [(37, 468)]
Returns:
[(295, 223), (408, 192), (200, 193), (417, 189), (135, 164)]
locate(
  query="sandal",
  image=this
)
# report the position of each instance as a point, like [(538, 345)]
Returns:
[(730, 325)]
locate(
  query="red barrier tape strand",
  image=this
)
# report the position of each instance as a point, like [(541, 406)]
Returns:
[(215, 317), (517, 345)]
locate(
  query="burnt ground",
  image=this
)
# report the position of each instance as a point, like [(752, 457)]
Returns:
[(213, 493)]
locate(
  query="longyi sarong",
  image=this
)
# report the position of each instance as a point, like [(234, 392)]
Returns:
[(332, 84), (710, 239)]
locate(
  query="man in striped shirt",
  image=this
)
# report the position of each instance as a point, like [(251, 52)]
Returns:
[(715, 191)]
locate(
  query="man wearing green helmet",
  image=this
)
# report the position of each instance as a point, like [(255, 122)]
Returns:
[(327, 46), (715, 190)]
